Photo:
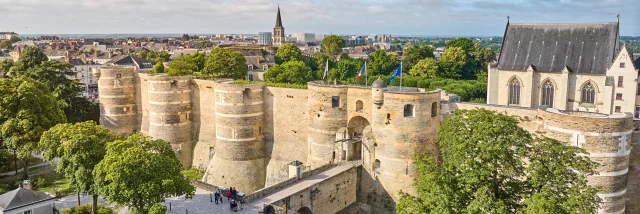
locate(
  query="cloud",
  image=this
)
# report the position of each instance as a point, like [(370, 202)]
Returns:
[(405, 17)]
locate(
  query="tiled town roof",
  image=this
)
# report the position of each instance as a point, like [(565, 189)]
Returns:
[(583, 47)]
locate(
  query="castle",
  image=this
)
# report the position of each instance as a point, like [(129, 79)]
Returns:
[(246, 135)]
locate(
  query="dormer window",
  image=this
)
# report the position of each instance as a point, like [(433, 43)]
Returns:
[(250, 67), (265, 67), (622, 65)]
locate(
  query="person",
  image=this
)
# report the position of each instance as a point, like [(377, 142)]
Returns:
[(220, 194), (234, 206), (241, 204), (228, 194), (216, 195)]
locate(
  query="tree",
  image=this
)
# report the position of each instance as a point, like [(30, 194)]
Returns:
[(6, 44), (158, 68), (27, 109), (15, 39), (488, 164), (143, 54), (29, 58), (427, 67), (140, 172), (321, 60), (451, 63), (91, 50), (383, 64), (79, 147), (158, 209), (345, 69), (225, 63), (182, 65), (288, 52), (5, 66), (289, 72), (414, 53), (332, 45), (198, 59)]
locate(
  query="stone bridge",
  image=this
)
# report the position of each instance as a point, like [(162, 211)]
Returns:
[(329, 191)]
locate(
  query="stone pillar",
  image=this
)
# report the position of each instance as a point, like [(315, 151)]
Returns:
[(607, 140), (325, 121), (170, 113), (239, 155), (563, 91), (116, 86)]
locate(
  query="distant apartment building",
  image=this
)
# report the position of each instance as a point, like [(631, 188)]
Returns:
[(304, 37), (383, 38), (320, 37), (265, 38), (7, 35), (355, 40)]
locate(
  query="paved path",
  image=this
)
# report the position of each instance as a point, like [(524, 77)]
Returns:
[(22, 168), (201, 204), (301, 185)]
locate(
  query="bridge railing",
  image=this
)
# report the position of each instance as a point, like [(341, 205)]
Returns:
[(273, 188)]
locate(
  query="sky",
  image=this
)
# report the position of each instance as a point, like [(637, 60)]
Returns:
[(365, 17)]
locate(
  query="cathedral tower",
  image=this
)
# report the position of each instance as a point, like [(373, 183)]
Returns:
[(278, 31)]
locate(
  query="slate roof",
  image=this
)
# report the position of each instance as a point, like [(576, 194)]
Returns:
[(127, 60), (637, 63), (20, 197), (587, 48), (278, 19)]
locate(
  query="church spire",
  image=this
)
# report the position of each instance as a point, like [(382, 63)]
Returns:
[(278, 19)]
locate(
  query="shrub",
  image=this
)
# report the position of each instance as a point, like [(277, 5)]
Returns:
[(158, 209), (86, 209)]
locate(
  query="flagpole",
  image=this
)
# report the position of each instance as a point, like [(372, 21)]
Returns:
[(401, 75)]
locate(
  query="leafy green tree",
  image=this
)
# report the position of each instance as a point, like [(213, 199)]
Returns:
[(345, 69), (143, 54), (158, 209), (289, 72), (383, 64), (225, 63), (79, 147), (332, 45), (140, 172), (414, 53), (6, 44), (91, 50), (451, 63), (288, 52), (158, 68), (5, 66), (198, 59), (181, 66), (476, 174), (15, 39), (27, 109), (30, 57), (427, 68), (321, 60)]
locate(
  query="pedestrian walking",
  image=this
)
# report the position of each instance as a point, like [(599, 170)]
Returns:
[(228, 194), (216, 195)]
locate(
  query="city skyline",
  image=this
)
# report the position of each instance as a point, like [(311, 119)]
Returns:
[(404, 17)]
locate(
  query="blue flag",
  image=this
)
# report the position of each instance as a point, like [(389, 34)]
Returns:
[(397, 73)]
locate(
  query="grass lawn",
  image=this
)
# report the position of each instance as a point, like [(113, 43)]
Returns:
[(60, 188), (193, 173)]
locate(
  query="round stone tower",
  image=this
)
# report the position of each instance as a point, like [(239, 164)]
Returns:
[(606, 138), (377, 92), (116, 86), (328, 113), (239, 155), (170, 113), (405, 125)]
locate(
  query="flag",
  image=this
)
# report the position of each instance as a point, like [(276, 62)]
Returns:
[(326, 70), (397, 73), (363, 71)]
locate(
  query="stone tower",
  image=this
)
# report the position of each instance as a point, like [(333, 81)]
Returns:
[(239, 154), (116, 86), (406, 124), (278, 31), (606, 138), (328, 113), (170, 113)]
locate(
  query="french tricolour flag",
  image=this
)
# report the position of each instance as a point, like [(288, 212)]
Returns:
[(363, 71)]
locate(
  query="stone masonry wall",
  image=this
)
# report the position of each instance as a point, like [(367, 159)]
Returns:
[(204, 122), (325, 121), (286, 128)]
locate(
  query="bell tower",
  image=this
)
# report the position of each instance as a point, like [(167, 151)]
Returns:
[(278, 31)]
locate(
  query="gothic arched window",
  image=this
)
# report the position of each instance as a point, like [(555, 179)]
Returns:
[(547, 93), (514, 92), (588, 94)]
